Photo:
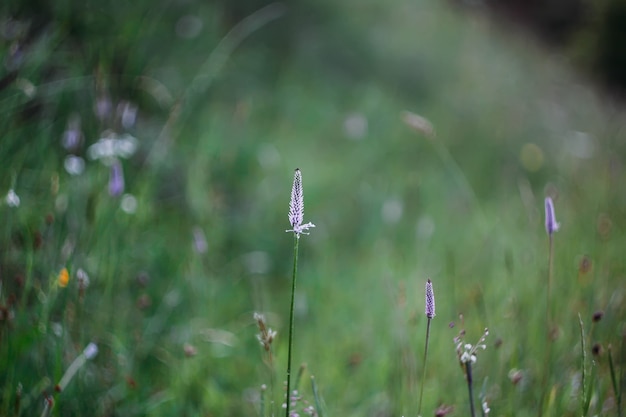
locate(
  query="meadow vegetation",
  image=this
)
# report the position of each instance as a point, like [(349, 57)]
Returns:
[(146, 165)]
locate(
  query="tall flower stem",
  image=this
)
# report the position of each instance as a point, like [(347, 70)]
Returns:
[(468, 368), (551, 226), (419, 409), (430, 313), (291, 324), (550, 268)]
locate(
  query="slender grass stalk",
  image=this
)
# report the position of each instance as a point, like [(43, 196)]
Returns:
[(291, 323), (266, 336), (262, 401), (318, 399), (616, 389), (551, 227), (467, 354), (296, 217), (583, 359), (549, 285), (419, 410), (430, 313), (468, 371)]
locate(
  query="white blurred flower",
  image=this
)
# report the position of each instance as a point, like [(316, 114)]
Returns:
[(355, 126), (129, 204), (12, 199), (74, 165), (111, 146), (90, 351)]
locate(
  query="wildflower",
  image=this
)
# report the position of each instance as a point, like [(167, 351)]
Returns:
[(515, 376), (74, 165), (116, 179), (103, 107), (113, 146), (597, 316), (88, 353), (296, 207), (467, 352), (64, 278), (551, 223), (199, 240), (73, 136), (82, 278), (12, 199), (127, 112), (486, 408), (418, 123), (430, 300), (266, 335)]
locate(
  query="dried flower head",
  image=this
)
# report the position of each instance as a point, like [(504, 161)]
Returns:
[(430, 300), (467, 352), (551, 223), (296, 207), (266, 335), (597, 316)]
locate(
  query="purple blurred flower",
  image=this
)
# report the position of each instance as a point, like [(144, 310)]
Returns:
[(551, 223), (127, 112), (116, 179), (72, 137), (103, 107), (296, 207), (199, 240), (430, 300)]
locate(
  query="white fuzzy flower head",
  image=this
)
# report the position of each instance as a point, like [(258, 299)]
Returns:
[(90, 351), (467, 352), (486, 409), (12, 199), (296, 207)]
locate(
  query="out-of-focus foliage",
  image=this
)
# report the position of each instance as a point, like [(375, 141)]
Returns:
[(591, 32), (204, 109)]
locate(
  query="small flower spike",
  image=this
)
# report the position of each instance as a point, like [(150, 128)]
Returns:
[(430, 300), (116, 179), (551, 223), (296, 207)]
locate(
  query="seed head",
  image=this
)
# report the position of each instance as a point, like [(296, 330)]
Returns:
[(296, 207), (430, 300)]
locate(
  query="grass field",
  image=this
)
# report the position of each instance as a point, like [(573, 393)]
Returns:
[(165, 272)]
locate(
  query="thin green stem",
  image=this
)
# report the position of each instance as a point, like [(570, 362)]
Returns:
[(583, 360), (419, 409), (291, 324), (468, 368), (616, 391), (550, 262), (548, 350)]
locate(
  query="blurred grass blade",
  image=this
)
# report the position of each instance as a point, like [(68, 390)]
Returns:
[(583, 359), (319, 402)]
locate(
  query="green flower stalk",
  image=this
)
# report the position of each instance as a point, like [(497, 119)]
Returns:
[(430, 313), (467, 355), (551, 227), (296, 217)]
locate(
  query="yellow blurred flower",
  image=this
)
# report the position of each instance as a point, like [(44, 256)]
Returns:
[(64, 278)]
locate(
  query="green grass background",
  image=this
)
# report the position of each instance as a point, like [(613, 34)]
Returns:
[(219, 140)]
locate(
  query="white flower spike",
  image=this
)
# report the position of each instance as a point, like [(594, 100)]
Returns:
[(296, 207)]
